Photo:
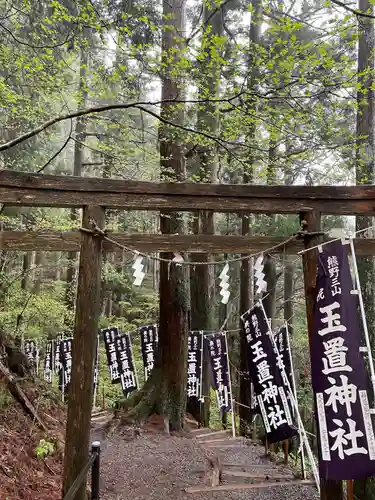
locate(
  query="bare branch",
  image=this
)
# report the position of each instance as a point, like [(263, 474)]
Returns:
[(59, 151), (353, 11), (21, 42), (101, 109)]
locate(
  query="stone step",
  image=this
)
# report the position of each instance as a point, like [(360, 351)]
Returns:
[(210, 434), (256, 475), (224, 440), (248, 486)]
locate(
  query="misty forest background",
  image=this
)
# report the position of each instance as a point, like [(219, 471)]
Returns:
[(260, 92)]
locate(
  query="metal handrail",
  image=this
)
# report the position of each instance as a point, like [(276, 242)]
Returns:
[(93, 463)]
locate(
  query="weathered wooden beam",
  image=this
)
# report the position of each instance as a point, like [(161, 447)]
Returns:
[(83, 353), (69, 241), (25, 180), (19, 188)]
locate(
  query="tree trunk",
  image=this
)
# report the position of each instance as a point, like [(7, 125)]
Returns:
[(288, 274), (106, 297), (26, 265), (38, 261), (165, 391), (201, 291), (202, 277), (246, 279), (269, 297), (364, 489), (80, 129)]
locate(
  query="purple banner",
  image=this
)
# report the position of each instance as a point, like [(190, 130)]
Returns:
[(126, 363), (265, 373), (217, 349), (66, 346), (285, 360), (195, 354), (339, 378), (149, 344), (48, 362), (32, 352), (109, 336), (57, 364)]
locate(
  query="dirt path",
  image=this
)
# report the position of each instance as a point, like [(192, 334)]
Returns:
[(147, 464)]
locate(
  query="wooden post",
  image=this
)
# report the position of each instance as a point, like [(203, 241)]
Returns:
[(83, 352), (350, 489), (329, 490), (286, 451)]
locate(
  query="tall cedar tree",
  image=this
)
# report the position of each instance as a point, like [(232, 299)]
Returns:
[(165, 391), (202, 285), (365, 488)]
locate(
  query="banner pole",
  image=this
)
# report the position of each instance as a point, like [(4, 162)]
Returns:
[(62, 374), (62, 384), (133, 360), (201, 398), (350, 489), (97, 373), (363, 314), (52, 359), (230, 386), (295, 397), (299, 420), (37, 357)]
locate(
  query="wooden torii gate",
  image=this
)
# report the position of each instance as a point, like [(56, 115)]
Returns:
[(94, 195)]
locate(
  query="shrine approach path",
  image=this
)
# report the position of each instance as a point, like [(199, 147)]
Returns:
[(145, 463)]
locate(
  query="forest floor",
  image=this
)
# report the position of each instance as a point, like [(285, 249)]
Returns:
[(142, 463), (148, 464), (23, 476)]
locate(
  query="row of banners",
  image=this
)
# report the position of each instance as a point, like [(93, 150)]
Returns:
[(339, 378), (121, 364), (122, 370)]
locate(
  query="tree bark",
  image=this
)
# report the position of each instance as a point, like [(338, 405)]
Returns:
[(174, 303), (246, 278), (83, 353), (201, 279), (37, 275), (80, 129), (269, 297), (26, 265), (165, 391), (288, 275), (201, 292), (364, 489)]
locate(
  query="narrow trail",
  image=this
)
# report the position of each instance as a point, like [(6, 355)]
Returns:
[(198, 465)]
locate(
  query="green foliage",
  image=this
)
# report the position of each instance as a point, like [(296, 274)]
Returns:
[(5, 398), (41, 315), (44, 449)]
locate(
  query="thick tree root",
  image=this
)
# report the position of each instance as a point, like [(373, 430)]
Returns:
[(153, 398)]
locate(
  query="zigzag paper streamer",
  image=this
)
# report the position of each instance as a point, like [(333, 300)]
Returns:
[(138, 271), (224, 285), (260, 283), (178, 259)]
